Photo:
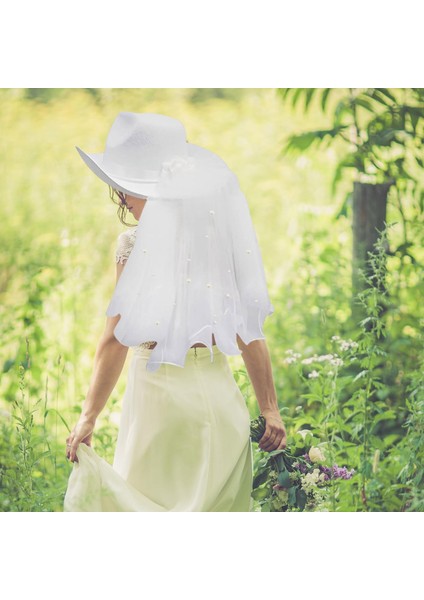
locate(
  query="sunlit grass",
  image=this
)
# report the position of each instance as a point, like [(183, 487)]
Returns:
[(58, 231)]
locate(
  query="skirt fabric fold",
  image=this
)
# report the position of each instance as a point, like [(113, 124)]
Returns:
[(183, 443)]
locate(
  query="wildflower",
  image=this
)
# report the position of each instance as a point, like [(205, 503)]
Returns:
[(346, 344), (337, 362), (304, 432), (316, 455), (325, 357), (289, 360), (335, 337), (308, 361), (310, 480), (342, 472), (313, 374), (375, 461)]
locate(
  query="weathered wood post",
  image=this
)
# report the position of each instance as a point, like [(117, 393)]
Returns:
[(369, 205)]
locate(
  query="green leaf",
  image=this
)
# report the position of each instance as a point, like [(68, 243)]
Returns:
[(303, 141), (376, 442), (391, 439), (298, 92), (309, 94), (53, 410), (284, 478), (387, 415), (359, 375), (281, 463), (259, 479), (260, 493), (324, 98), (301, 498), (292, 496), (365, 104), (381, 92), (349, 162)]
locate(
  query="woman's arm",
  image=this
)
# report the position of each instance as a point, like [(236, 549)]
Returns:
[(108, 364), (109, 361), (258, 364)]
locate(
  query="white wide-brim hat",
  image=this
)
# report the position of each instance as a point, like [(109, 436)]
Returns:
[(148, 155)]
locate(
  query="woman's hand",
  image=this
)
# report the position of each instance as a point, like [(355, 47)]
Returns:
[(275, 436), (82, 432)]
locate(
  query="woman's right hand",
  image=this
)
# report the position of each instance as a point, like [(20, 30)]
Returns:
[(275, 436), (82, 432)]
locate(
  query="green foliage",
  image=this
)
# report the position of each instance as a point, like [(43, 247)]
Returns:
[(57, 272), (411, 448), (382, 132), (353, 407), (28, 469)]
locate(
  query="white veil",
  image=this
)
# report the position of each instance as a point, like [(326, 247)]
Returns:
[(195, 268)]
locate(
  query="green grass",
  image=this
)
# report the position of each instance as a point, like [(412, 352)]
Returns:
[(58, 231)]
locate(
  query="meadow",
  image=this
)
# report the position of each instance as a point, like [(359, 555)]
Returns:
[(58, 232)]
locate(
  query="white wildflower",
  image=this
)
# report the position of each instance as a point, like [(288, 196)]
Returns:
[(325, 357), (313, 374), (316, 455), (310, 480), (289, 360), (304, 432)]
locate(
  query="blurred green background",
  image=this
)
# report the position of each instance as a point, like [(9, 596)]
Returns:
[(58, 231)]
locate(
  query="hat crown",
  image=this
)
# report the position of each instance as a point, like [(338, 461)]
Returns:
[(140, 142)]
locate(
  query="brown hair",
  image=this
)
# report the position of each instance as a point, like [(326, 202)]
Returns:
[(122, 205)]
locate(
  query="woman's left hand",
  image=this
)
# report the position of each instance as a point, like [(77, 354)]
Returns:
[(82, 432)]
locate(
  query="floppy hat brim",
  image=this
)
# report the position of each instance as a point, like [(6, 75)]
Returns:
[(95, 160), (142, 189)]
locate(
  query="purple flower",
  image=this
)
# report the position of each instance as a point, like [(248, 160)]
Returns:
[(342, 472)]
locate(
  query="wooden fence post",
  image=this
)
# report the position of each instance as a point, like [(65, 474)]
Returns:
[(369, 204)]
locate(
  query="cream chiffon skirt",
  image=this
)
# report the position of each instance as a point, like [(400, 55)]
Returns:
[(183, 443)]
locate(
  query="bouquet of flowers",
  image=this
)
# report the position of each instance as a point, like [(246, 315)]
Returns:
[(286, 482)]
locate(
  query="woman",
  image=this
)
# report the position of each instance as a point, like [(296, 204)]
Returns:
[(184, 436)]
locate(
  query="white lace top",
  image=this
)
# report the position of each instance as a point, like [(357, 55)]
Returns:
[(125, 244)]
